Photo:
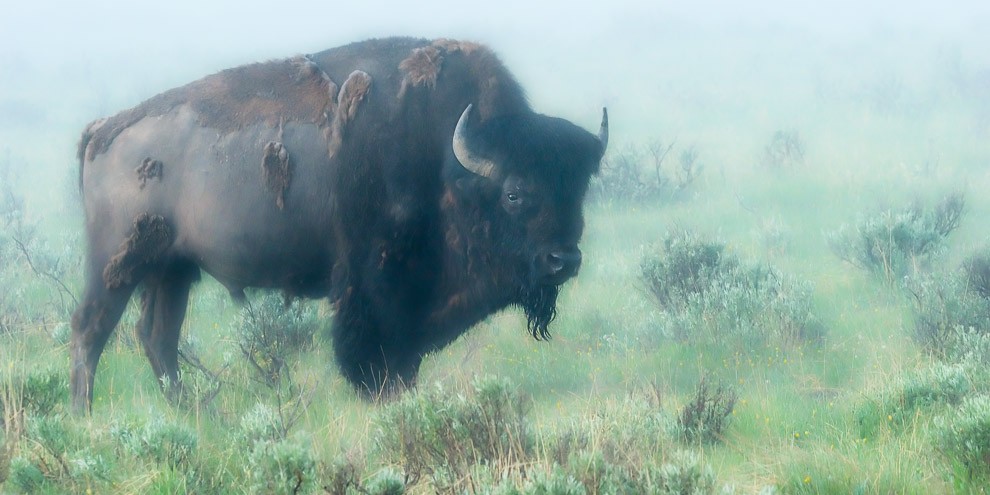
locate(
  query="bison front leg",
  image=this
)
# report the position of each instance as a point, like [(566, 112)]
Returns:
[(379, 360)]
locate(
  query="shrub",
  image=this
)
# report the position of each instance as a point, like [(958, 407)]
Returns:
[(555, 482), (683, 473), (22, 250), (270, 332), (441, 435), (37, 393), (386, 482), (706, 294), (340, 477), (977, 269), (689, 170), (773, 235), (56, 456), (260, 424), (624, 448), (621, 176), (951, 316), (688, 265), (894, 244), (705, 418), (168, 444), (897, 404), (627, 433), (784, 151), (829, 472), (964, 435), (25, 476), (633, 175), (281, 467), (200, 384)]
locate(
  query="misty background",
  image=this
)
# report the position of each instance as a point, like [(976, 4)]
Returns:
[(882, 110), (723, 77)]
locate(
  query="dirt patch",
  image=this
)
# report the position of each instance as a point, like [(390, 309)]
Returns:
[(275, 169), (149, 169), (352, 93), (150, 237)]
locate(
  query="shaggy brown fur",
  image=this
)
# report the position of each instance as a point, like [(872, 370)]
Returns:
[(424, 65), (352, 93), (269, 92), (441, 268), (149, 238), (275, 168), (451, 46), (149, 169)]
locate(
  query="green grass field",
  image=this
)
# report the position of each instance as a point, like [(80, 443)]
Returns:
[(595, 410), (793, 427)]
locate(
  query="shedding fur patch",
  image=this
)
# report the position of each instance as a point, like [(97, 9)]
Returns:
[(352, 93), (148, 240), (275, 168), (149, 169), (292, 89), (453, 46), (422, 68)]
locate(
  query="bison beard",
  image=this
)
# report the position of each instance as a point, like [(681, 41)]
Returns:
[(540, 305)]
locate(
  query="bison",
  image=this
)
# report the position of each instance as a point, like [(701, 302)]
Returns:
[(407, 180)]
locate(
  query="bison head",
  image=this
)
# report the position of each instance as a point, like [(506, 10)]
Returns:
[(528, 175)]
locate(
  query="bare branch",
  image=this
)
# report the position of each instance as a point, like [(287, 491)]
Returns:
[(55, 279)]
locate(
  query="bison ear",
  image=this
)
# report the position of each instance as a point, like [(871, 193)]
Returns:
[(462, 149)]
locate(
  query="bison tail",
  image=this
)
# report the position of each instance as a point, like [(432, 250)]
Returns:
[(84, 140), (81, 152)]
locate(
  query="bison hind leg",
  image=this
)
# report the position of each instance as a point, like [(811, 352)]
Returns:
[(110, 281), (163, 309), (93, 321)]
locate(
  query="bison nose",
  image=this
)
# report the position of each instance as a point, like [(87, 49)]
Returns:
[(561, 264)]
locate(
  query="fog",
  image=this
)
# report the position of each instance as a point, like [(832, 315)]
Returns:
[(706, 72), (878, 108)]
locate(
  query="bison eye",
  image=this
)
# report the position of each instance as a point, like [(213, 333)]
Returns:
[(512, 197)]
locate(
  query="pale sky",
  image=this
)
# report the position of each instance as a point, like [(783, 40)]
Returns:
[(113, 27)]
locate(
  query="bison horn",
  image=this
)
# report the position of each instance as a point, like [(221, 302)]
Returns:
[(475, 164), (603, 131)]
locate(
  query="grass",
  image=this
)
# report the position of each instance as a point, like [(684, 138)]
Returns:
[(793, 425)]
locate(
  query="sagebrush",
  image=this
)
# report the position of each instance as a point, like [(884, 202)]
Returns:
[(896, 243), (705, 294)]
